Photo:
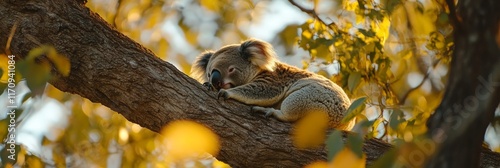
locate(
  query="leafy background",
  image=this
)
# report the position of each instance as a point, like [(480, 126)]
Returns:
[(390, 56)]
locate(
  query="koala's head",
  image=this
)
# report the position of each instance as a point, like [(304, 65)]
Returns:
[(234, 65)]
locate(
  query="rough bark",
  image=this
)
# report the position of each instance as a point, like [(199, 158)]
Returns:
[(473, 90), (111, 69)]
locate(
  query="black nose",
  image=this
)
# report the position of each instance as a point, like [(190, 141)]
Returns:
[(216, 79)]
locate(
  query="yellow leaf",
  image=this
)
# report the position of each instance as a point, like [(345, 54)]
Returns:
[(187, 139), (310, 131), (61, 63), (211, 5), (306, 34), (422, 24), (219, 164), (36, 52), (5, 68), (318, 164), (155, 16), (422, 102), (347, 158), (55, 93)]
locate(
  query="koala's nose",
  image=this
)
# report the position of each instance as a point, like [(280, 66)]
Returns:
[(216, 79)]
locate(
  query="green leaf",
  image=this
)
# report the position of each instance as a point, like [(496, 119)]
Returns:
[(357, 106), (355, 143), (367, 33), (391, 5), (36, 75), (420, 7), (26, 97), (387, 160), (289, 37), (2, 85), (354, 80), (375, 126), (334, 144), (395, 120)]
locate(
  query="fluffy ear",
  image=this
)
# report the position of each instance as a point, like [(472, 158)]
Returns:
[(259, 53), (199, 67)]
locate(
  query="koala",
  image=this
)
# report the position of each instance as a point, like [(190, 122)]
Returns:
[(250, 73)]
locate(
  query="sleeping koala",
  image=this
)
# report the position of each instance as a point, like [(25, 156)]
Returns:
[(250, 73)]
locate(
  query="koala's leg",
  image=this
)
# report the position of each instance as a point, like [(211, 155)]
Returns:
[(256, 93), (268, 111), (291, 109), (307, 96)]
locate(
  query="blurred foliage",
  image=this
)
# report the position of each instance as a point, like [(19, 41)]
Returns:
[(390, 56)]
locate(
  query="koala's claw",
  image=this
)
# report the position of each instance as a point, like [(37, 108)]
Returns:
[(223, 93), (208, 86), (268, 114)]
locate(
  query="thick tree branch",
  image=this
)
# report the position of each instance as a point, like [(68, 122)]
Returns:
[(111, 69)]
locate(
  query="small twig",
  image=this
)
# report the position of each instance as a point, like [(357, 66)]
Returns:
[(315, 15), (118, 6), (9, 40), (421, 83)]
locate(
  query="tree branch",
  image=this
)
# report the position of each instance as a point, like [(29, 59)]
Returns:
[(109, 68)]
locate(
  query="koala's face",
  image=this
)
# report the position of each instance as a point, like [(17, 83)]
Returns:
[(228, 68), (234, 65)]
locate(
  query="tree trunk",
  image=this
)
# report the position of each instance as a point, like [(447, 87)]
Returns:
[(473, 92), (109, 68)]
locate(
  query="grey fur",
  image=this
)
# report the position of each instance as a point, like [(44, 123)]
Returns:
[(250, 73)]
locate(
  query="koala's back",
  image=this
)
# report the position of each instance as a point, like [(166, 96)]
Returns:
[(306, 91)]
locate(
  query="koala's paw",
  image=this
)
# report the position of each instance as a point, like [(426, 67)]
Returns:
[(268, 112), (223, 93), (208, 86)]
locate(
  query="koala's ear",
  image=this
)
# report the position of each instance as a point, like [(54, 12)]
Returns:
[(259, 53), (199, 67)]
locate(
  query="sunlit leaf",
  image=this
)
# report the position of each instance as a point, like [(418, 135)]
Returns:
[(219, 164), (317, 164), (33, 161), (309, 132), (376, 124), (367, 33), (347, 158), (61, 62), (187, 139), (422, 102), (356, 107), (4, 123), (395, 120), (289, 37), (211, 5), (36, 74), (391, 4), (354, 80), (4, 69), (59, 157)]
